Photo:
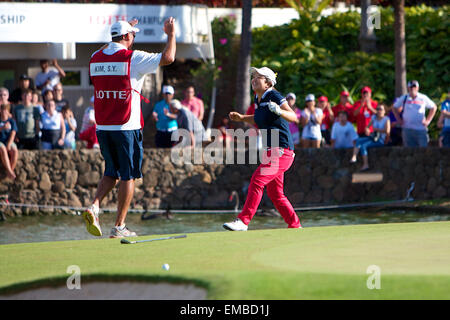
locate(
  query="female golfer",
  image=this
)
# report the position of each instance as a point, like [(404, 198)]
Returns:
[(272, 113)]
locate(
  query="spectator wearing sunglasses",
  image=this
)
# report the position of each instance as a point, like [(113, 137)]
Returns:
[(381, 128)]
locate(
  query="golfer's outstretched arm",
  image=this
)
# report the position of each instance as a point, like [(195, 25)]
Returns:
[(168, 54), (235, 116)]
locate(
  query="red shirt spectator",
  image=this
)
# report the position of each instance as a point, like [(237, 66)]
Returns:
[(194, 104), (344, 105), (363, 111), (328, 114)]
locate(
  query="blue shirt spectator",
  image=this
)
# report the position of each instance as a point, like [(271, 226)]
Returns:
[(445, 106), (5, 133), (381, 129), (164, 123), (444, 121)]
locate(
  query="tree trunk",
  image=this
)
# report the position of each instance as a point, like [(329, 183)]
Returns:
[(367, 39), (400, 47), (244, 59)]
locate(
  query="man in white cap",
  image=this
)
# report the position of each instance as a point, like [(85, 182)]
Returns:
[(165, 125), (414, 122), (187, 121), (118, 73)]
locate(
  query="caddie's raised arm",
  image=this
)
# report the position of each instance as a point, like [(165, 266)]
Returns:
[(168, 54)]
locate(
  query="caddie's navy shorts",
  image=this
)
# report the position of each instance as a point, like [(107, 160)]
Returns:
[(123, 152)]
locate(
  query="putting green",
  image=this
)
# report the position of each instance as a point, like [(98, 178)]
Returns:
[(312, 263)]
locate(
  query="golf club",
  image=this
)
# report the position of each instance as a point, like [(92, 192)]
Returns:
[(126, 241)]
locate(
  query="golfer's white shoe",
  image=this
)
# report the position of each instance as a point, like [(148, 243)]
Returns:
[(236, 225), (92, 221), (121, 232)]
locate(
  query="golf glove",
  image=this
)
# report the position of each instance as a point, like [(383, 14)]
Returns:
[(275, 108)]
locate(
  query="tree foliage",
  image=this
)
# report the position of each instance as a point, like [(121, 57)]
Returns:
[(322, 57)]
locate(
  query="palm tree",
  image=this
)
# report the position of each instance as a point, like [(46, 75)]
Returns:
[(400, 47), (310, 9), (244, 59)]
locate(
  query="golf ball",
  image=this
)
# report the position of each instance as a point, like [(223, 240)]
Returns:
[(166, 266)]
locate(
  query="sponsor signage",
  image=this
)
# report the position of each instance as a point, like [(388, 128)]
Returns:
[(90, 23)]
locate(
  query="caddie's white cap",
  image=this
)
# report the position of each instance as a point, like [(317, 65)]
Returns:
[(176, 104), (122, 27), (266, 72), (168, 89)]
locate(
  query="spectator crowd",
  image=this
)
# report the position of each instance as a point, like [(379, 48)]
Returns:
[(361, 125), (35, 115)]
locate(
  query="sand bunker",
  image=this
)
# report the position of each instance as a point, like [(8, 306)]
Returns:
[(113, 291)]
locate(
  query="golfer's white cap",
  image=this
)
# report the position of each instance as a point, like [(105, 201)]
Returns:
[(122, 27), (176, 104), (168, 89), (266, 72)]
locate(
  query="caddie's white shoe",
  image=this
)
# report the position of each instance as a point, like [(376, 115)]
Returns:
[(92, 221), (236, 225)]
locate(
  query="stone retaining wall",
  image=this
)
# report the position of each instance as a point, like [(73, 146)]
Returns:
[(318, 176)]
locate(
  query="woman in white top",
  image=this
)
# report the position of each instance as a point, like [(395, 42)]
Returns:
[(53, 127), (311, 120), (381, 130)]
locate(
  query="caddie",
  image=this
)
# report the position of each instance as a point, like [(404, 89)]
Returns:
[(117, 73)]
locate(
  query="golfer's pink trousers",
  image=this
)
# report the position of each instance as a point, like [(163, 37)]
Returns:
[(271, 174)]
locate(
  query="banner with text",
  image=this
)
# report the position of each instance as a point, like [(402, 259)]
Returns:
[(90, 23)]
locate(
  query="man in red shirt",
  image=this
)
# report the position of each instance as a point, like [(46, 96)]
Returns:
[(363, 110), (328, 119), (344, 105)]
